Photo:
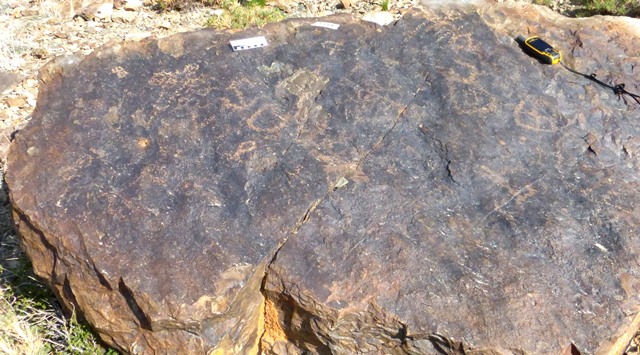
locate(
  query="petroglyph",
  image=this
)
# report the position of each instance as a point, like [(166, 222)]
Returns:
[(120, 72)]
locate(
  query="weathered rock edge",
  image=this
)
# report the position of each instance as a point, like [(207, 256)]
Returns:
[(294, 317)]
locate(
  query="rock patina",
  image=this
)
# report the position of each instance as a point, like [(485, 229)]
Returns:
[(417, 188)]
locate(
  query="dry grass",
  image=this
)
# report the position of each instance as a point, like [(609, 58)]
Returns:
[(16, 335), (24, 326), (10, 49), (15, 40), (31, 326), (31, 320), (613, 7), (252, 13), (164, 5)]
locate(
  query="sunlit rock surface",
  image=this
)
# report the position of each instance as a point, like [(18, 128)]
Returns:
[(422, 187)]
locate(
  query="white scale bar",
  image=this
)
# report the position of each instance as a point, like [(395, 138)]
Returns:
[(330, 25), (248, 43)]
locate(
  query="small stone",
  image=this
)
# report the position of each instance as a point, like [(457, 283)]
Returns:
[(382, 18), (40, 53), (8, 80), (61, 35), (165, 25), (29, 83), (18, 102), (284, 5), (122, 16), (32, 151), (97, 11), (104, 11), (29, 12), (136, 36), (16, 13), (346, 3), (133, 5)]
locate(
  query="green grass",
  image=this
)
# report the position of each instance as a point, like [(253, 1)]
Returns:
[(385, 5), (31, 319), (585, 8), (546, 3), (612, 7), (253, 13), (168, 5)]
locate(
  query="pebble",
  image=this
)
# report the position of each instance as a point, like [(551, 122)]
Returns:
[(382, 18), (13, 102), (123, 16), (136, 36), (133, 5), (62, 35)]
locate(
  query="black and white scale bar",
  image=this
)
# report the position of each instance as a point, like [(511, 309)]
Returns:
[(248, 43)]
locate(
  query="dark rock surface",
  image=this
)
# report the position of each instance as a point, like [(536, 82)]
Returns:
[(417, 188)]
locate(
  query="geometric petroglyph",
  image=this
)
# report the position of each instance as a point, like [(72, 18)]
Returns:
[(465, 96), (185, 76), (512, 193), (119, 71), (244, 148), (469, 99), (163, 78), (266, 119), (527, 114)]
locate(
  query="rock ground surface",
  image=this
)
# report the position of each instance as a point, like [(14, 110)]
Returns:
[(537, 180), (50, 35), (36, 31)]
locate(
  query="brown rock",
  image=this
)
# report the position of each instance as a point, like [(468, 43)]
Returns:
[(133, 5), (98, 11), (15, 102), (382, 18), (61, 35), (69, 8), (8, 80), (118, 4), (17, 12), (346, 3), (136, 36), (284, 5), (40, 53), (123, 16), (399, 189)]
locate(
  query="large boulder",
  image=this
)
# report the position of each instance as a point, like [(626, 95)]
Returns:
[(417, 188)]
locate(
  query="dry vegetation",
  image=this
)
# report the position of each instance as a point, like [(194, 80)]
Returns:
[(31, 320), (252, 13)]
